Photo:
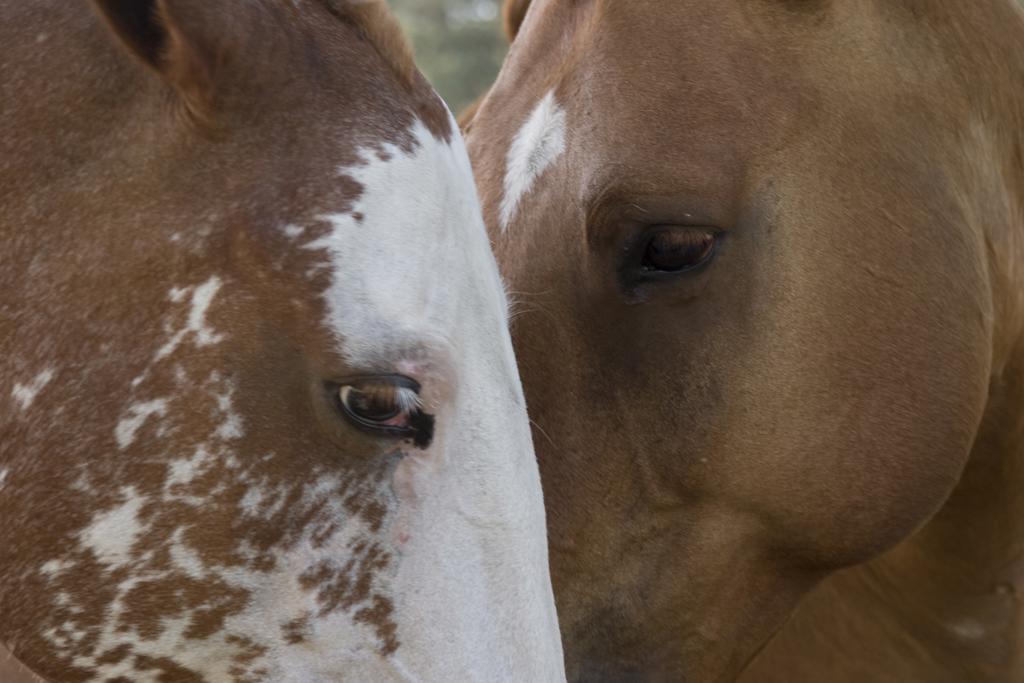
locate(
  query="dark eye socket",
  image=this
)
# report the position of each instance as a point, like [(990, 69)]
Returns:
[(387, 405), (678, 250)]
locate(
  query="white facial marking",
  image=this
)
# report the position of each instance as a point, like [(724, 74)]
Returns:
[(411, 213), (25, 394), (3, 478), (113, 532), (202, 297), (293, 231), (536, 146), (415, 289), (138, 413)]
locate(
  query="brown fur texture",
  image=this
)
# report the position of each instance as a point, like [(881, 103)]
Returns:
[(138, 165), (512, 13), (829, 417)]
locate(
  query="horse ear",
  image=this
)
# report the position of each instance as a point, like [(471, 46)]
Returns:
[(171, 37), (513, 13), (137, 25)]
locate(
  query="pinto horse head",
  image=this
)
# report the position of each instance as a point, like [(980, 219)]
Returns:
[(260, 418), (768, 264)]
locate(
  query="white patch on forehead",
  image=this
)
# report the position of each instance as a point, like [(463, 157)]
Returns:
[(25, 394), (202, 297), (410, 252), (112, 533), (536, 146), (138, 413), (3, 478)]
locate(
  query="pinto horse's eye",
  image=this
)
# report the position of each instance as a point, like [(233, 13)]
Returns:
[(376, 404), (677, 251), (387, 405), (384, 402)]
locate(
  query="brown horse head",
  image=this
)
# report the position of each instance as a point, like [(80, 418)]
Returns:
[(260, 418), (768, 264)]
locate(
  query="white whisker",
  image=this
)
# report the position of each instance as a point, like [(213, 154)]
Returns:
[(541, 430)]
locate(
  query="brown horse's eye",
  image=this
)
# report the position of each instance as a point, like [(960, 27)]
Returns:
[(676, 251)]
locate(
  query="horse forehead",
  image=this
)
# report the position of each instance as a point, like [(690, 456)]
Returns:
[(537, 145), (411, 251)]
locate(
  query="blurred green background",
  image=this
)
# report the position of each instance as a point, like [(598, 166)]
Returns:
[(458, 43)]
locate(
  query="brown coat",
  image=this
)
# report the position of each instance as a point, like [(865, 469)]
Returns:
[(826, 411)]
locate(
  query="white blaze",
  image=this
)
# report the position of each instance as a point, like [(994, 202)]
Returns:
[(537, 145), (415, 285)]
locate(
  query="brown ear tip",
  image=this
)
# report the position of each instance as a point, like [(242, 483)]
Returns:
[(178, 40), (135, 23), (465, 119), (513, 13)]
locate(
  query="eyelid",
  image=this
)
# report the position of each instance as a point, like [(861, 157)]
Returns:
[(614, 210), (638, 284), (705, 240), (384, 378), (406, 399), (638, 241)]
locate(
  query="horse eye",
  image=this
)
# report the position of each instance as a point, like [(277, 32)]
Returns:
[(373, 404), (677, 251), (387, 404)]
